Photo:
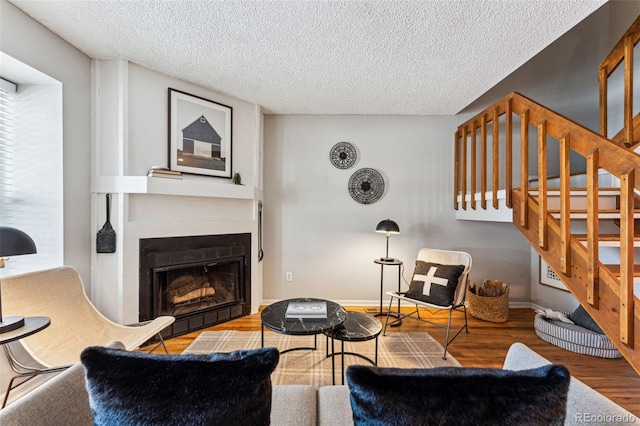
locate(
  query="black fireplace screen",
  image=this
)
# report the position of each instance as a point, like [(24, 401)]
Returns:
[(187, 288), (200, 280)]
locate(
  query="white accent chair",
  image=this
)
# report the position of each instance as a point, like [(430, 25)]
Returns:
[(59, 294), (443, 257)]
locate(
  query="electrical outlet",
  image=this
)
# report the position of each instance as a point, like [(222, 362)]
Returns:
[(288, 276)]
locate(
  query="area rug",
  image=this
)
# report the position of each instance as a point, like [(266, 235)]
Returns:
[(404, 350)]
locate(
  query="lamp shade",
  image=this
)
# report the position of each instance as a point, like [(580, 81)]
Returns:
[(388, 226), (14, 242)]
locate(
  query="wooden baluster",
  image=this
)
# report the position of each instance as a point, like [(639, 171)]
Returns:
[(463, 154), (626, 257), (542, 185), (628, 89), (474, 170), (509, 153), (593, 269), (456, 169), (496, 159), (524, 168), (603, 79), (565, 206), (483, 152)]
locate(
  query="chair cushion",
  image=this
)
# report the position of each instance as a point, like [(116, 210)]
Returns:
[(148, 389), (434, 283), (458, 396), (580, 317)]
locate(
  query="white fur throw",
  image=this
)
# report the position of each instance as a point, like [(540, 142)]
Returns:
[(551, 314)]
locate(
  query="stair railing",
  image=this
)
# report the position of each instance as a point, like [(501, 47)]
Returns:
[(622, 53), (614, 307)]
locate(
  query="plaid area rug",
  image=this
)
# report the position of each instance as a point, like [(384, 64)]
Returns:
[(404, 350)]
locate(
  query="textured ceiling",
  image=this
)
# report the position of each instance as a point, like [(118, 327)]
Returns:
[(430, 57)]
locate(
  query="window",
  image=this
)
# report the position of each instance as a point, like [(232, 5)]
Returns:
[(7, 99), (31, 180)]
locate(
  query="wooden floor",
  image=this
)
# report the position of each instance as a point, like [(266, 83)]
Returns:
[(486, 345)]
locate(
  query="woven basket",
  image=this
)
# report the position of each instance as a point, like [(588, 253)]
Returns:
[(492, 309)]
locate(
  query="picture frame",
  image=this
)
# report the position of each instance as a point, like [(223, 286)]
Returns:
[(549, 278), (200, 135)]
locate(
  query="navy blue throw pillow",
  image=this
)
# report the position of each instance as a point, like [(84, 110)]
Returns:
[(458, 396), (434, 283), (132, 388)]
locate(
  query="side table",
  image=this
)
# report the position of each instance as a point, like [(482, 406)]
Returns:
[(383, 263), (31, 326), (274, 318), (358, 327)]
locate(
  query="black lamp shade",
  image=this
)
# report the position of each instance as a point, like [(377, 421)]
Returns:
[(14, 242), (388, 226)]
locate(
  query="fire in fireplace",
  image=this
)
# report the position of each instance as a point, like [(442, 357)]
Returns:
[(200, 280)]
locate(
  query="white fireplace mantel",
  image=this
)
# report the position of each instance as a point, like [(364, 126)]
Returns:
[(176, 187)]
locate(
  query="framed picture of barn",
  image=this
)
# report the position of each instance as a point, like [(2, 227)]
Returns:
[(199, 135)]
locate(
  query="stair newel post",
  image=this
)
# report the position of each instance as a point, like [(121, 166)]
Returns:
[(542, 185), (473, 165), (565, 206), (524, 167), (463, 165), (496, 156), (593, 270), (627, 181), (508, 152), (456, 169), (483, 153)]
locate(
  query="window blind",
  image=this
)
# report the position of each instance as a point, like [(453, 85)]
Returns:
[(7, 109)]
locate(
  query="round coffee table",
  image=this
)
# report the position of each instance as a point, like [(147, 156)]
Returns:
[(274, 318), (358, 327)]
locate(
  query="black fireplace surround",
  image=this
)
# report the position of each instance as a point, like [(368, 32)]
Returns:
[(201, 280)]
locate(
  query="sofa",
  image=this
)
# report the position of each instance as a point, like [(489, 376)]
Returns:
[(63, 400)]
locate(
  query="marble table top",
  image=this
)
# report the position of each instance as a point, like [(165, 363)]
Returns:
[(358, 327), (273, 317)]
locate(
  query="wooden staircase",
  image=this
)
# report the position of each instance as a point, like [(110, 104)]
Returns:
[(569, 227)]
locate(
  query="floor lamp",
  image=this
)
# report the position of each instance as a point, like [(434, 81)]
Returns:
[(13, 242)]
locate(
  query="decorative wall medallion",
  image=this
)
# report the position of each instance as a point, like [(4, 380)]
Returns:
[(343, 155), (366, 186)]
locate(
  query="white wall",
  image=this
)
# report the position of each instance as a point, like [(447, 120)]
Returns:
[(314, 229), (31, 43)]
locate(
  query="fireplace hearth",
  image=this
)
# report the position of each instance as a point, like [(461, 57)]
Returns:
[(200, 280)]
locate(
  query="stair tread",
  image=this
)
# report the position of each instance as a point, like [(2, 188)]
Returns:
[(584, 211), (605, 237), (602, 214), (604, 190), (615, 269)]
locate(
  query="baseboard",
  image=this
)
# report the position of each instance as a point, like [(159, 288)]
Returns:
[(374, 305)]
